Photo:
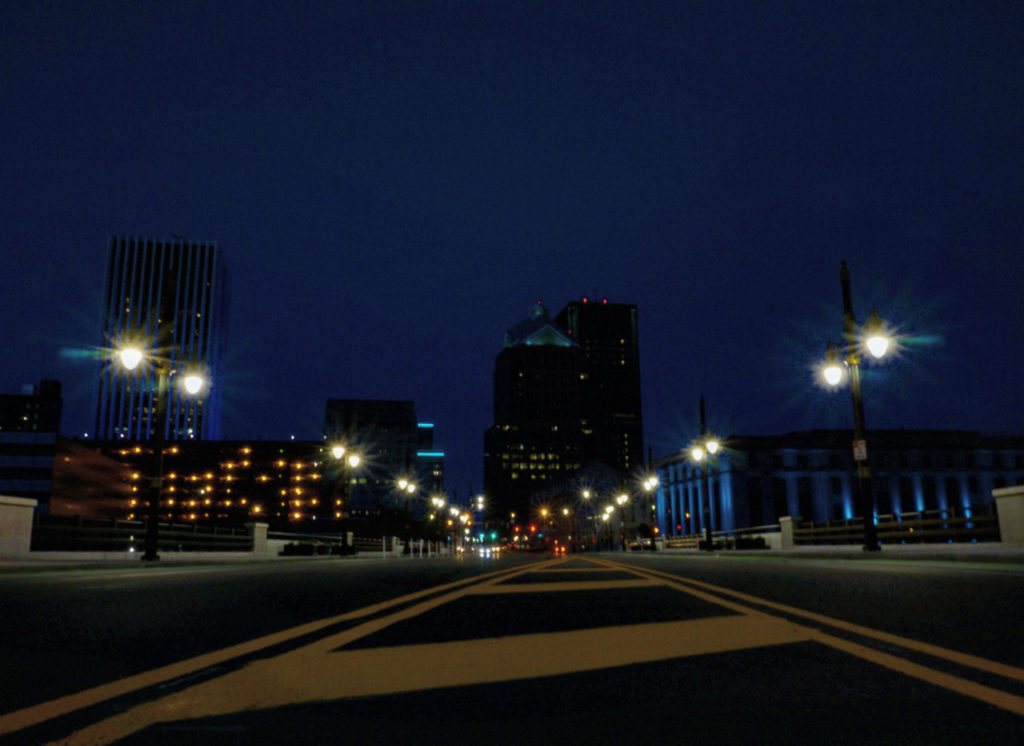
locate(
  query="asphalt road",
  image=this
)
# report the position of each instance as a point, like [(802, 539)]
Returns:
[(607, 648)]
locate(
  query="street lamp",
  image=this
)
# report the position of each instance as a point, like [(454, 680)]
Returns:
[(701, 453), (621, 499), (481, 512), (348, 460), (131, 357), (876, 341), (438, 501), (650, 484), (585, 496), (407, 488)]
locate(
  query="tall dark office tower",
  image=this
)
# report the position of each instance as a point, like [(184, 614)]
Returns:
[(140, 271), (536, 434), (610, 386)]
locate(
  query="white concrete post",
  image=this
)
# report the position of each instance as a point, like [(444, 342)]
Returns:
[(1010, 510), (786, 525), (258, 532), (16, 526)]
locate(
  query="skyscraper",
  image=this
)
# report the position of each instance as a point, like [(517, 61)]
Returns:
[(610, 384), (143, 276), (536, 433), (566, 395)]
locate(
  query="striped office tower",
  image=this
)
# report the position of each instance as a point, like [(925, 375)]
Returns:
[(147, 278)]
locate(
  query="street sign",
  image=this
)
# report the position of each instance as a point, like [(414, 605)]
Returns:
[(860, 450)]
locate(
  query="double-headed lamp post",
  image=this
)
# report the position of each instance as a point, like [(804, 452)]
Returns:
[(349, 460), (873, 338), (193, 382), (621, 499), (606, 517), (650, 484), (701, 452), (407, 488), (437, 503)]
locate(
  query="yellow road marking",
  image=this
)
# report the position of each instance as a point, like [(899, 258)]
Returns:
[(997, 697), (576, 569), (957, 684), (964, 659), (36, 714), (320, 671), (568, 585), (297, 678)]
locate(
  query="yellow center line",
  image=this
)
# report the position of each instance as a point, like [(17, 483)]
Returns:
[(568, 585), (960, 685), (379, 671), (44, 711), (568, 570), (324, 670)]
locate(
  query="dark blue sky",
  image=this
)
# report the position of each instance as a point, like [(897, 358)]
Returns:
[(394, 184)]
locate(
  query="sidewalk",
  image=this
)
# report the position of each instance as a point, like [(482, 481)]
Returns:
[(168, 559), (992, 553)]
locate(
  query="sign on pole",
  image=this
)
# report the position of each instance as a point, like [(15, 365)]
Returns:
[(860, 450)]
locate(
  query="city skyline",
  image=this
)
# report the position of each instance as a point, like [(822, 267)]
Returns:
[(393, 185)]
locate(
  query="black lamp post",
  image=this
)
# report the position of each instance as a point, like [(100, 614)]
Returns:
[(130, 358), (701, 453), (877, 344), (347, 461)]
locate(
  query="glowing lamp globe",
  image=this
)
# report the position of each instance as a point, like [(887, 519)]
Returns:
[(193, 383), (832, 373), (877, 345), (131, 357)]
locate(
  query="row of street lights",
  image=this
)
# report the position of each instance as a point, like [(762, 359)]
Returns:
[(841, 359), (620, 499)]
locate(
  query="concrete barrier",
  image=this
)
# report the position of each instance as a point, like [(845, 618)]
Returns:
[(16, 526), (258, 531), (1010, 510), (787, 524)]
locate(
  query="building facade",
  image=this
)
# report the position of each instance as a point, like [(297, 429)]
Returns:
[(566, 394), (146, 279), (755, 480), (392, 446), (29, 430), (536, 436), (611, 416), (230, 483)]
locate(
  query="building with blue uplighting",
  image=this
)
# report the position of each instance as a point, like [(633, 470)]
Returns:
[(755, 480)]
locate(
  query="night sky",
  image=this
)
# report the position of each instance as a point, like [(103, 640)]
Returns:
[(395, 184)]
